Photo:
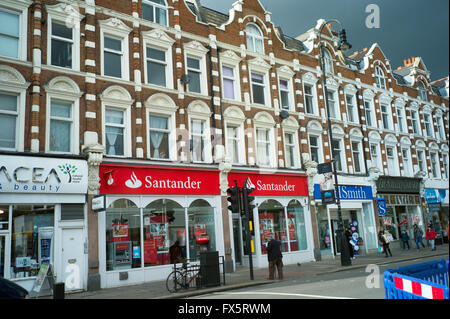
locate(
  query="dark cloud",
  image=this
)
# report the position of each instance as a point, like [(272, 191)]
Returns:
[(407, 27)]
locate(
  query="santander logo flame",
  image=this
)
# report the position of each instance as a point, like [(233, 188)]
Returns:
[(250, 184), (133, 182)]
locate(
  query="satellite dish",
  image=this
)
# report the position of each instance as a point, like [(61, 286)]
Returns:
[(284, 114)]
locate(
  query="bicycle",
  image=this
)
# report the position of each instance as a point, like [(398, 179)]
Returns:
[(182, 278)]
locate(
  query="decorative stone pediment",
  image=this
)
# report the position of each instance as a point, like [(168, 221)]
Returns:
[(68, 12), (63, 85), (116, 94), (290, 124), (314, 127), (390, 139), (399, 102), (259, 63), (285, 70), (162, 102), (234, 114), (405, 141), (368, 94), (158, 36), (230, 56), (195, 46), (115, 24), (374, 136), (332, 84), (356, 134), (11, 77), (350, 89), (264, 119), (420, 144), (199, 109), (338, 132), (309, 78)]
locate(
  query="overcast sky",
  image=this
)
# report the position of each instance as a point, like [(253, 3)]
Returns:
[(407, 27)]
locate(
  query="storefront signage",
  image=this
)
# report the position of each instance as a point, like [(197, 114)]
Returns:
[(118, 179), (99, 203), (392, 199), (400, 185), (434, 207), (387, 221), (433, 195), (271, 184), (381, 204), (26, 174), (348, 192)]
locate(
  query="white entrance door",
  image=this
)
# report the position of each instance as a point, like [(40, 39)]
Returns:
[(73, 258)]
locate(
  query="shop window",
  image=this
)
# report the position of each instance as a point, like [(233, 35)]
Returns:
[(296, 226), (201, 228), (32, 239), (123, 235), (4, 217), (164, 226), (72, 211), (272, 221)]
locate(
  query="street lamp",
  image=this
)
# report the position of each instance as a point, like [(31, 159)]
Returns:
[(343, 47)]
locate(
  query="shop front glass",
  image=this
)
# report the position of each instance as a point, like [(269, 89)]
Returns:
[(324, 230), (32, 239), (123, 233), (201, 228), (2, 256), (4, 216), (272, 223), (164, 226), (296, 226), (287, 225), (389, 222)]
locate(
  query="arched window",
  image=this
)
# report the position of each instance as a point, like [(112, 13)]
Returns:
[(327, 61), (164, 225), (255, 40), (202, 235), (379, 77), (273, 224), (422, 91), (123, 232)]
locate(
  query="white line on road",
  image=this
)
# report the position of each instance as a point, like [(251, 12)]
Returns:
[(280, 294)]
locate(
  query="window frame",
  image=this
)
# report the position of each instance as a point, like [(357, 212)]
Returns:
[(51, 118), (396, 170), (341, 149), (196, 50), (115, 29), (154, 6), (380, 78), (122, 126), (268, 142), (379, 160), (254, 38), (415, 122), (231, 60), (21, 9), (359, 160), (388, 115), (408, 168), (423, 96), (16, 114), (435, 169), (168, 131), (428, 125), (401, 119)]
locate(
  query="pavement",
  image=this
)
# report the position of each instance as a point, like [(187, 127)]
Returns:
[(241, 277)]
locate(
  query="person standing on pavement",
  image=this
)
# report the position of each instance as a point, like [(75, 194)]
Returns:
[(430, 236), (348, 235), (384, 242), (275, 258), (405, 239), (418, 234)]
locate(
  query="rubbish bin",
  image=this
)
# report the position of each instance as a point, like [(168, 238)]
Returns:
[(58, 290), (209, 269)]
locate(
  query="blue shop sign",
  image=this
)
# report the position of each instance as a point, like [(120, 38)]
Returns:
[(353, 192), (433, 195), (381, 204)]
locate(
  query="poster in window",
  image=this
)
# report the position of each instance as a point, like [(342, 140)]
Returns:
[(150, 252), (119, 232), (45, 240)]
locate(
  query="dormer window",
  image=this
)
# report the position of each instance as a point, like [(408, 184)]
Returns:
[(255, 40), (379, 77), (155, 11), (422, 91)]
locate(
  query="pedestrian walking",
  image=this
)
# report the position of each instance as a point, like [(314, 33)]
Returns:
[(275, 258), (430, 236), (383, 238), (405, 239), (418, 234)]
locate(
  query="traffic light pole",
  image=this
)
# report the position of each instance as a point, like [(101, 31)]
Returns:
[(249, 227)]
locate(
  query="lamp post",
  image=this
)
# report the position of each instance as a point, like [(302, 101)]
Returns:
[(343, 47)]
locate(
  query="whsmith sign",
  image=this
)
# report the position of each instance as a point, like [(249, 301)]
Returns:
[(22, 174)]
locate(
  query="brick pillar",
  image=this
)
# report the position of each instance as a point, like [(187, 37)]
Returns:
[(36, 108)]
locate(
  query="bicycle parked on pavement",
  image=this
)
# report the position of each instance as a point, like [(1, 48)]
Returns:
[(183, 278)]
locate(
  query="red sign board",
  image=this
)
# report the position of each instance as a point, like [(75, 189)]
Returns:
[(142, 180), (273, 184)]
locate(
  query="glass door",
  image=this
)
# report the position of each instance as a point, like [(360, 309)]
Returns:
[(237, 234), (2, 256)]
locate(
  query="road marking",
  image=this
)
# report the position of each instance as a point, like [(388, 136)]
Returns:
[(279, 294)]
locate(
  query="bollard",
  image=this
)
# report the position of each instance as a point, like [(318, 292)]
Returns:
[(58, 290)]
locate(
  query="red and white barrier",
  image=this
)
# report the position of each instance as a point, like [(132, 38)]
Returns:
[(416, 288)]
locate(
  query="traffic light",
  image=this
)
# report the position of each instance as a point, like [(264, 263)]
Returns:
[(233, 199), (248, 201)]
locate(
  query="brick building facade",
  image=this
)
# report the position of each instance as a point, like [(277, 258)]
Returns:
[(170, 84)]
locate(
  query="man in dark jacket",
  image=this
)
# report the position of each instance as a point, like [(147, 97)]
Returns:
[(275, 258)]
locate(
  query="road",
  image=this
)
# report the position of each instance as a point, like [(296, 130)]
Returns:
[(351, 284)]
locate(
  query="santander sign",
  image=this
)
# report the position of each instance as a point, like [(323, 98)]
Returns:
[(116, 179)]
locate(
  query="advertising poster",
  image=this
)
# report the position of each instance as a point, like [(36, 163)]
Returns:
[(387, 221), (150, 252), (119, 232), (45, 237)]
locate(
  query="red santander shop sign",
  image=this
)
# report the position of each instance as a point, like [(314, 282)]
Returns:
[(146, 180), (271, 184)]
